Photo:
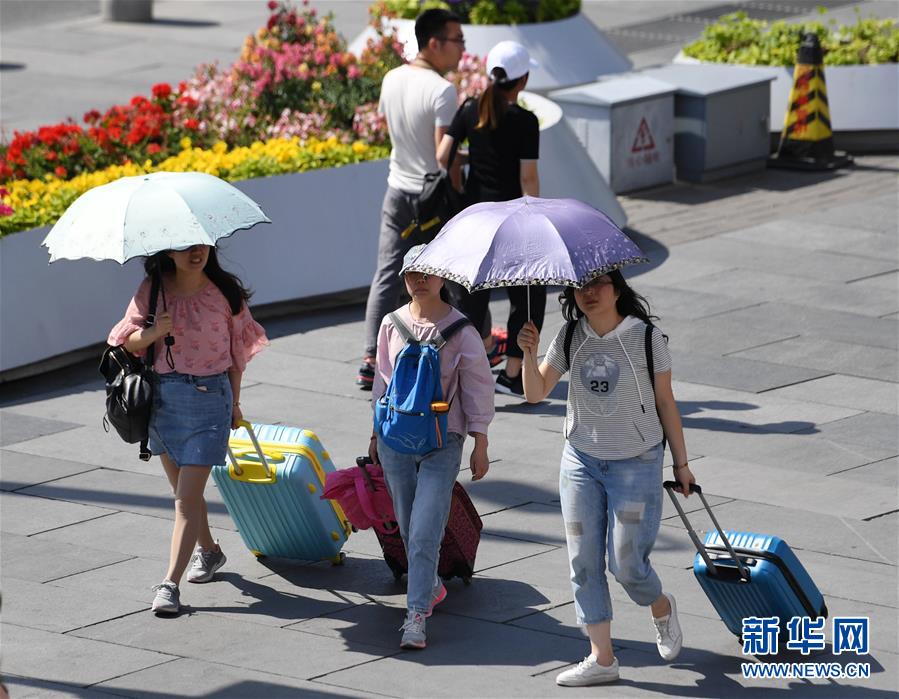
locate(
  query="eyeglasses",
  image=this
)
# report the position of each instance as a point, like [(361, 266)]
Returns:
[(456, 40), (596, 283)]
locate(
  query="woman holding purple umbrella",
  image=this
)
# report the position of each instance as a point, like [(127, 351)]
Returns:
[(610, 481)]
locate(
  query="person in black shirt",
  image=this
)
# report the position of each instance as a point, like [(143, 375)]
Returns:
[(503, 147)]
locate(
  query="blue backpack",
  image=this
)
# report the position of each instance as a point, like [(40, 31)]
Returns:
[(410, 417)]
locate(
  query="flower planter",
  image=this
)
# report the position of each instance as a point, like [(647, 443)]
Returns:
[(324, 240), (863, 100), (570, 51)]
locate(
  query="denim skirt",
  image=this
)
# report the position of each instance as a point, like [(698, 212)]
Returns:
[(191, 419)]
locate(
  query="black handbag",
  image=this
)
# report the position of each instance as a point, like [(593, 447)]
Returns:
[(438, 203), (130, 383)]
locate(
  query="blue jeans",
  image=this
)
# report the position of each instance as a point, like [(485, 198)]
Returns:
[(610, 508), (422, 489)]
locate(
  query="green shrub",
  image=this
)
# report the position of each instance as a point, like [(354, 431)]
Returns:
[(484, 11), (736, 38)]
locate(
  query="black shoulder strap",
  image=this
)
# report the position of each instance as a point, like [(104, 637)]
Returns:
[(569, 336), (449, 331), (155, 286), (650, 365)]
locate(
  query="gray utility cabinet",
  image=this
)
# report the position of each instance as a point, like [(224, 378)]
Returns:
[(626, 125), (721, 119)]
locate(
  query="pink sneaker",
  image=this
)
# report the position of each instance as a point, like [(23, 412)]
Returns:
[(438, 596)]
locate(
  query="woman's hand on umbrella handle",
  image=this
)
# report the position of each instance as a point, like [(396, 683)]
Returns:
[(529, 337)]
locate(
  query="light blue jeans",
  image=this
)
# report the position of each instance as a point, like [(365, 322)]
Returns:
[(611, 508), (421, 488)]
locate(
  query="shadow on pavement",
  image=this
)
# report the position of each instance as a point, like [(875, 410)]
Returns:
[(717, 424)]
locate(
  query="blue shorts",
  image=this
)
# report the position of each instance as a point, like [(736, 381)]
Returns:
[(191, 419)]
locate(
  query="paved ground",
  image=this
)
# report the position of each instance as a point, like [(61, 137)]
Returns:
[(780, 295)]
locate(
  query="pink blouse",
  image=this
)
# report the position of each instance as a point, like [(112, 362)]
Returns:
[(209, 339)]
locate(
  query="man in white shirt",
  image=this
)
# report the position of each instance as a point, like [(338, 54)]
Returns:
[(419, 105)]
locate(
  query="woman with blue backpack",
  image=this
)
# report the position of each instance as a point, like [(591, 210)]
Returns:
[(432, 386), (621, 408)]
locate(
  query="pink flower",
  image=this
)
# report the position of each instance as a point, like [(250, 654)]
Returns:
[(353, 72), (6, 210)]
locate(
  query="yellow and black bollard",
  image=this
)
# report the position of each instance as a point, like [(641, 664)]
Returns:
[(806, 142)]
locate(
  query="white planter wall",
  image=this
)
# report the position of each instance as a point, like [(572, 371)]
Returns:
[(570, 51), (861, 98)]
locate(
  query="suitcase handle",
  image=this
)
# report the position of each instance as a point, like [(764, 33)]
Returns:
[(269, 472), (700, 547)]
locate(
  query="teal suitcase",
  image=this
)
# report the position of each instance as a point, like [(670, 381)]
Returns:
[(272, 488)]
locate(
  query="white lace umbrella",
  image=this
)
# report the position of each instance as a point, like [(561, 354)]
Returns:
[(143, 215)]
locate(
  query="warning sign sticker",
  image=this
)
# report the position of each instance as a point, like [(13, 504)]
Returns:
[(644, 140)]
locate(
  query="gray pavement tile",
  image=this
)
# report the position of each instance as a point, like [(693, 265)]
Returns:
[(536, 522), (82, 404), (806, 531), (853, 579), (887, 283), (736, 373), (229, 641), (31, 558), (784, 487), (874, 429), (198, 678), (869, 395), (678, 272), (90, 445), (51, 608), (802, 453), (720, 334), (757, 286), (509, 484), (499, 664), (808, 235), (707, 405), (777, 259), (15, 427), (884, 625), (683, 303), (32, 688), (306, 373), (826, 355), (839, 326), (880, 219), (71, 660), (23, 514), (18, 470), (499, 550), (885, 472), (130, 492)]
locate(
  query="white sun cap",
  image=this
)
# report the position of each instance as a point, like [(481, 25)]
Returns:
[(512, 57)]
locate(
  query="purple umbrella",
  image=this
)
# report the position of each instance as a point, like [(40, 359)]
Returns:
[(559, 242)]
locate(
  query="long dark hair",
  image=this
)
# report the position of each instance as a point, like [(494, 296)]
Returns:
[(494, 101), (229, 284), (629, 302)]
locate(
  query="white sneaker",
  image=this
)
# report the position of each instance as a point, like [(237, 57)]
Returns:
[(168, 598), (204, 564), (588, 672), (669, 637)]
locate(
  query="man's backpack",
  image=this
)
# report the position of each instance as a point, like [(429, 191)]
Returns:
[(410, 417), (130, 384)]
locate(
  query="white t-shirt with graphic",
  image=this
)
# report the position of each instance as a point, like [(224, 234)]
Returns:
[(608, 384), (414, 101)]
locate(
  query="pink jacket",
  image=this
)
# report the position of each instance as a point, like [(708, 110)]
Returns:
[(464, 370)]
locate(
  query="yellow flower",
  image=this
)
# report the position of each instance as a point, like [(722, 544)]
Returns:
[(316, 86), (185, 143)]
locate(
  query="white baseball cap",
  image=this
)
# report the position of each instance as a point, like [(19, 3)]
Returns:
[(512, 57)]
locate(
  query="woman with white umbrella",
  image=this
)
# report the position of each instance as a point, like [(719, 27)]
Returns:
[(197, 397)]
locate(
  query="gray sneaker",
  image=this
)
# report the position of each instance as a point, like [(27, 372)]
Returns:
[(168, 598), (588, 672), (413, 631), (204, 564)]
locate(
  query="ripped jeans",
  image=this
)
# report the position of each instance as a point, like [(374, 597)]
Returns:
[(611, 508)]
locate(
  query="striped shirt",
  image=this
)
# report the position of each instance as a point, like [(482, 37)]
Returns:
[(609, 382)]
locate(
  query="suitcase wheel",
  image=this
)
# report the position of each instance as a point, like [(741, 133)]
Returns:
[(338, 559)]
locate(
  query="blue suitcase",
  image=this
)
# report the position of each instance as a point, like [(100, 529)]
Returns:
[(745, 574), (272, 487)]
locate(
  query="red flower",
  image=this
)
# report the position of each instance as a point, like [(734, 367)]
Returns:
[(273, 5), (52, 155), (191, 124), (161, 90), (60, 171), (272, 21), (153, 148)]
